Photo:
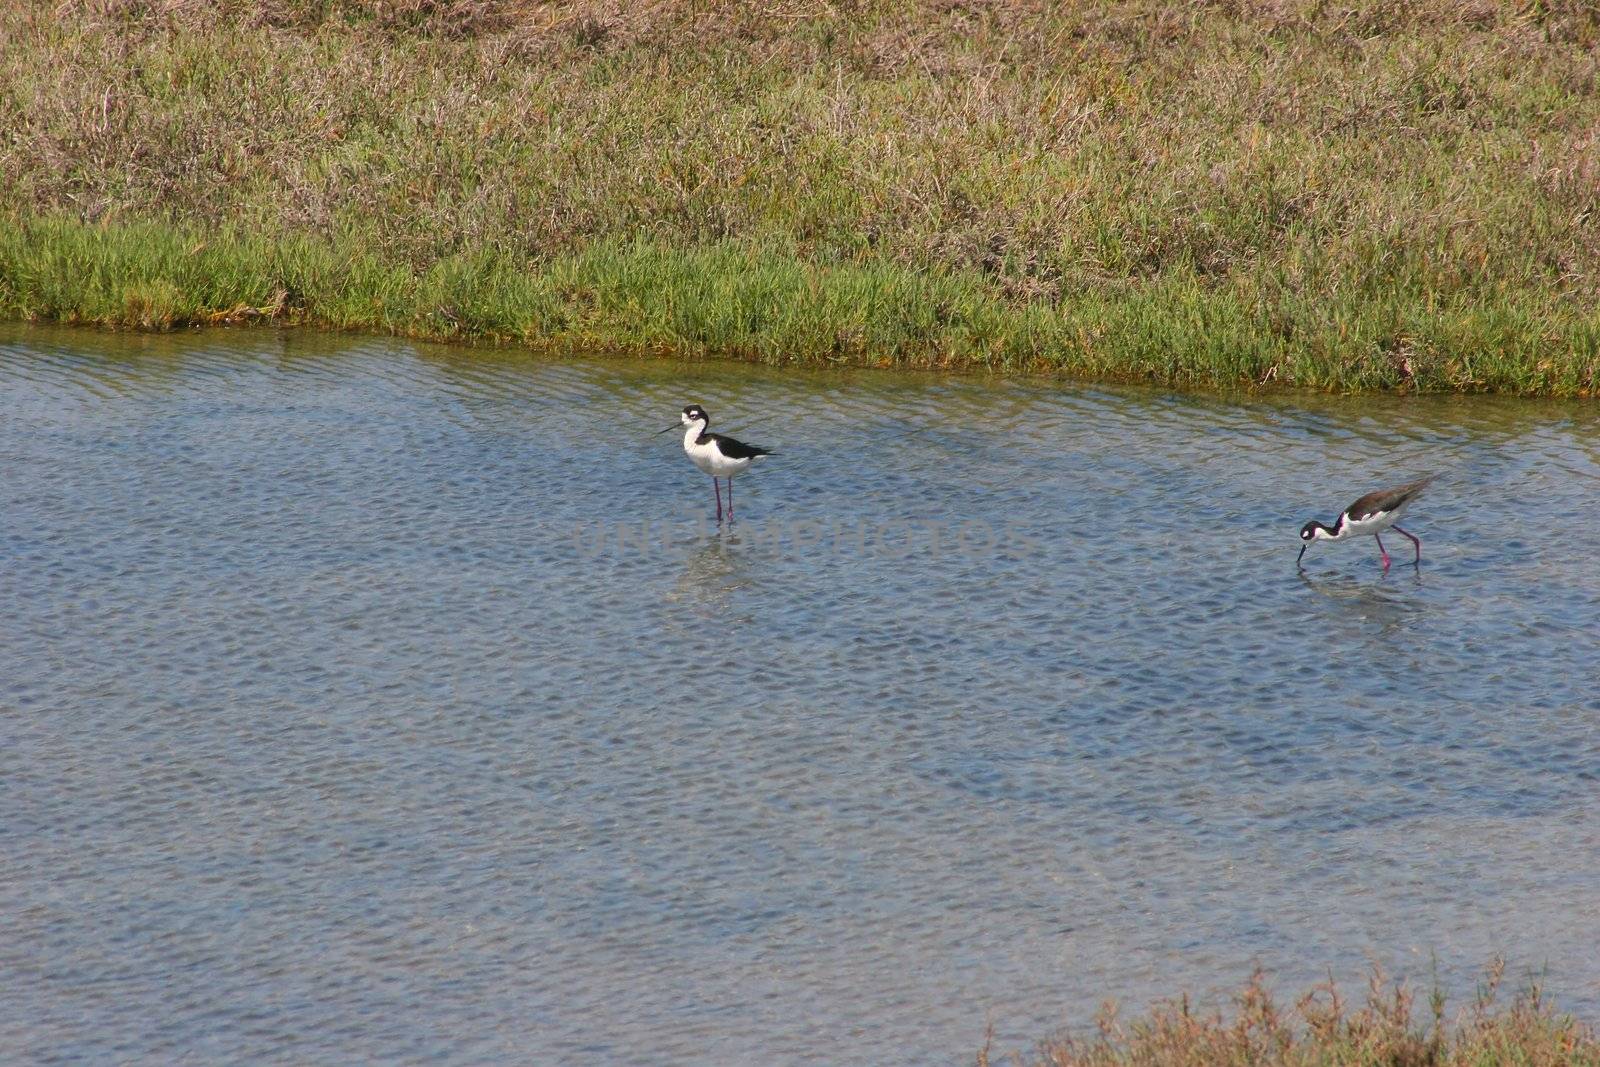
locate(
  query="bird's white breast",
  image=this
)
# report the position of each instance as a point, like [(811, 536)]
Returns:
[(709, 458)]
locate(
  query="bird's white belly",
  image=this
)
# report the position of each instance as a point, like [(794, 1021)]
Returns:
[(713, 462), (1372, 524)]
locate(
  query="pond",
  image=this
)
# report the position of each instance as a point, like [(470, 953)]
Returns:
[(368, 700)]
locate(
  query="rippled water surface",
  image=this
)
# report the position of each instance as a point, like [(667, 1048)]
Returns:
[(361, 701)]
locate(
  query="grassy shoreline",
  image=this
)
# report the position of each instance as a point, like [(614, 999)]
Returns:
[(1373, 197), (737, 302), (1323, 1029)]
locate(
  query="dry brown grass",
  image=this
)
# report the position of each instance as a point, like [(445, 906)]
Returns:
[(1322, 1029)]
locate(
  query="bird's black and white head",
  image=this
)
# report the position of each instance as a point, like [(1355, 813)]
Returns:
[(1314, 531), (693, 417)]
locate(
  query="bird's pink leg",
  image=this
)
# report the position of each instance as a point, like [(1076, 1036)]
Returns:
[(1414, 540), (730, 499), (715, 488), (1381, 549)]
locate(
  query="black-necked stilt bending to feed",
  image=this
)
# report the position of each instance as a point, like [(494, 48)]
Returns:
[(718, 456), (1372, 514)]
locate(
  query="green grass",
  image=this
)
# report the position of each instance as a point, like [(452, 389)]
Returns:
[(1324, 1030), (1369, 195)]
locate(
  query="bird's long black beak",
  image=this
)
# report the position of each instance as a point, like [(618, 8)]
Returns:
[(1302, 555), (669, 429)]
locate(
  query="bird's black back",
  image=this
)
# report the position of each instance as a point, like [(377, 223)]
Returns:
[(734, 449), (1387, 499)]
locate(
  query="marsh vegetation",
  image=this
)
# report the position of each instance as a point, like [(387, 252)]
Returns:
[(1369, 195)]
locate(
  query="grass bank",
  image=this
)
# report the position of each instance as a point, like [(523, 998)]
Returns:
[(1322, 1029), (1368, 195)]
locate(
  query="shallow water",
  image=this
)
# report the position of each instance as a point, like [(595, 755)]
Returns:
[(369, 701)]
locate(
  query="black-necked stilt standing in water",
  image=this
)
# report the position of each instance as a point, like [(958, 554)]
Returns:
[(718, 456), (1372, 514)]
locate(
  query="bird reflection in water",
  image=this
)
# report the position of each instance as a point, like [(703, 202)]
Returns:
[(714, 569), (1363, 603)]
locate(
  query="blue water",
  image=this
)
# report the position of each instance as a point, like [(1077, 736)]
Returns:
[(362, 701)]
